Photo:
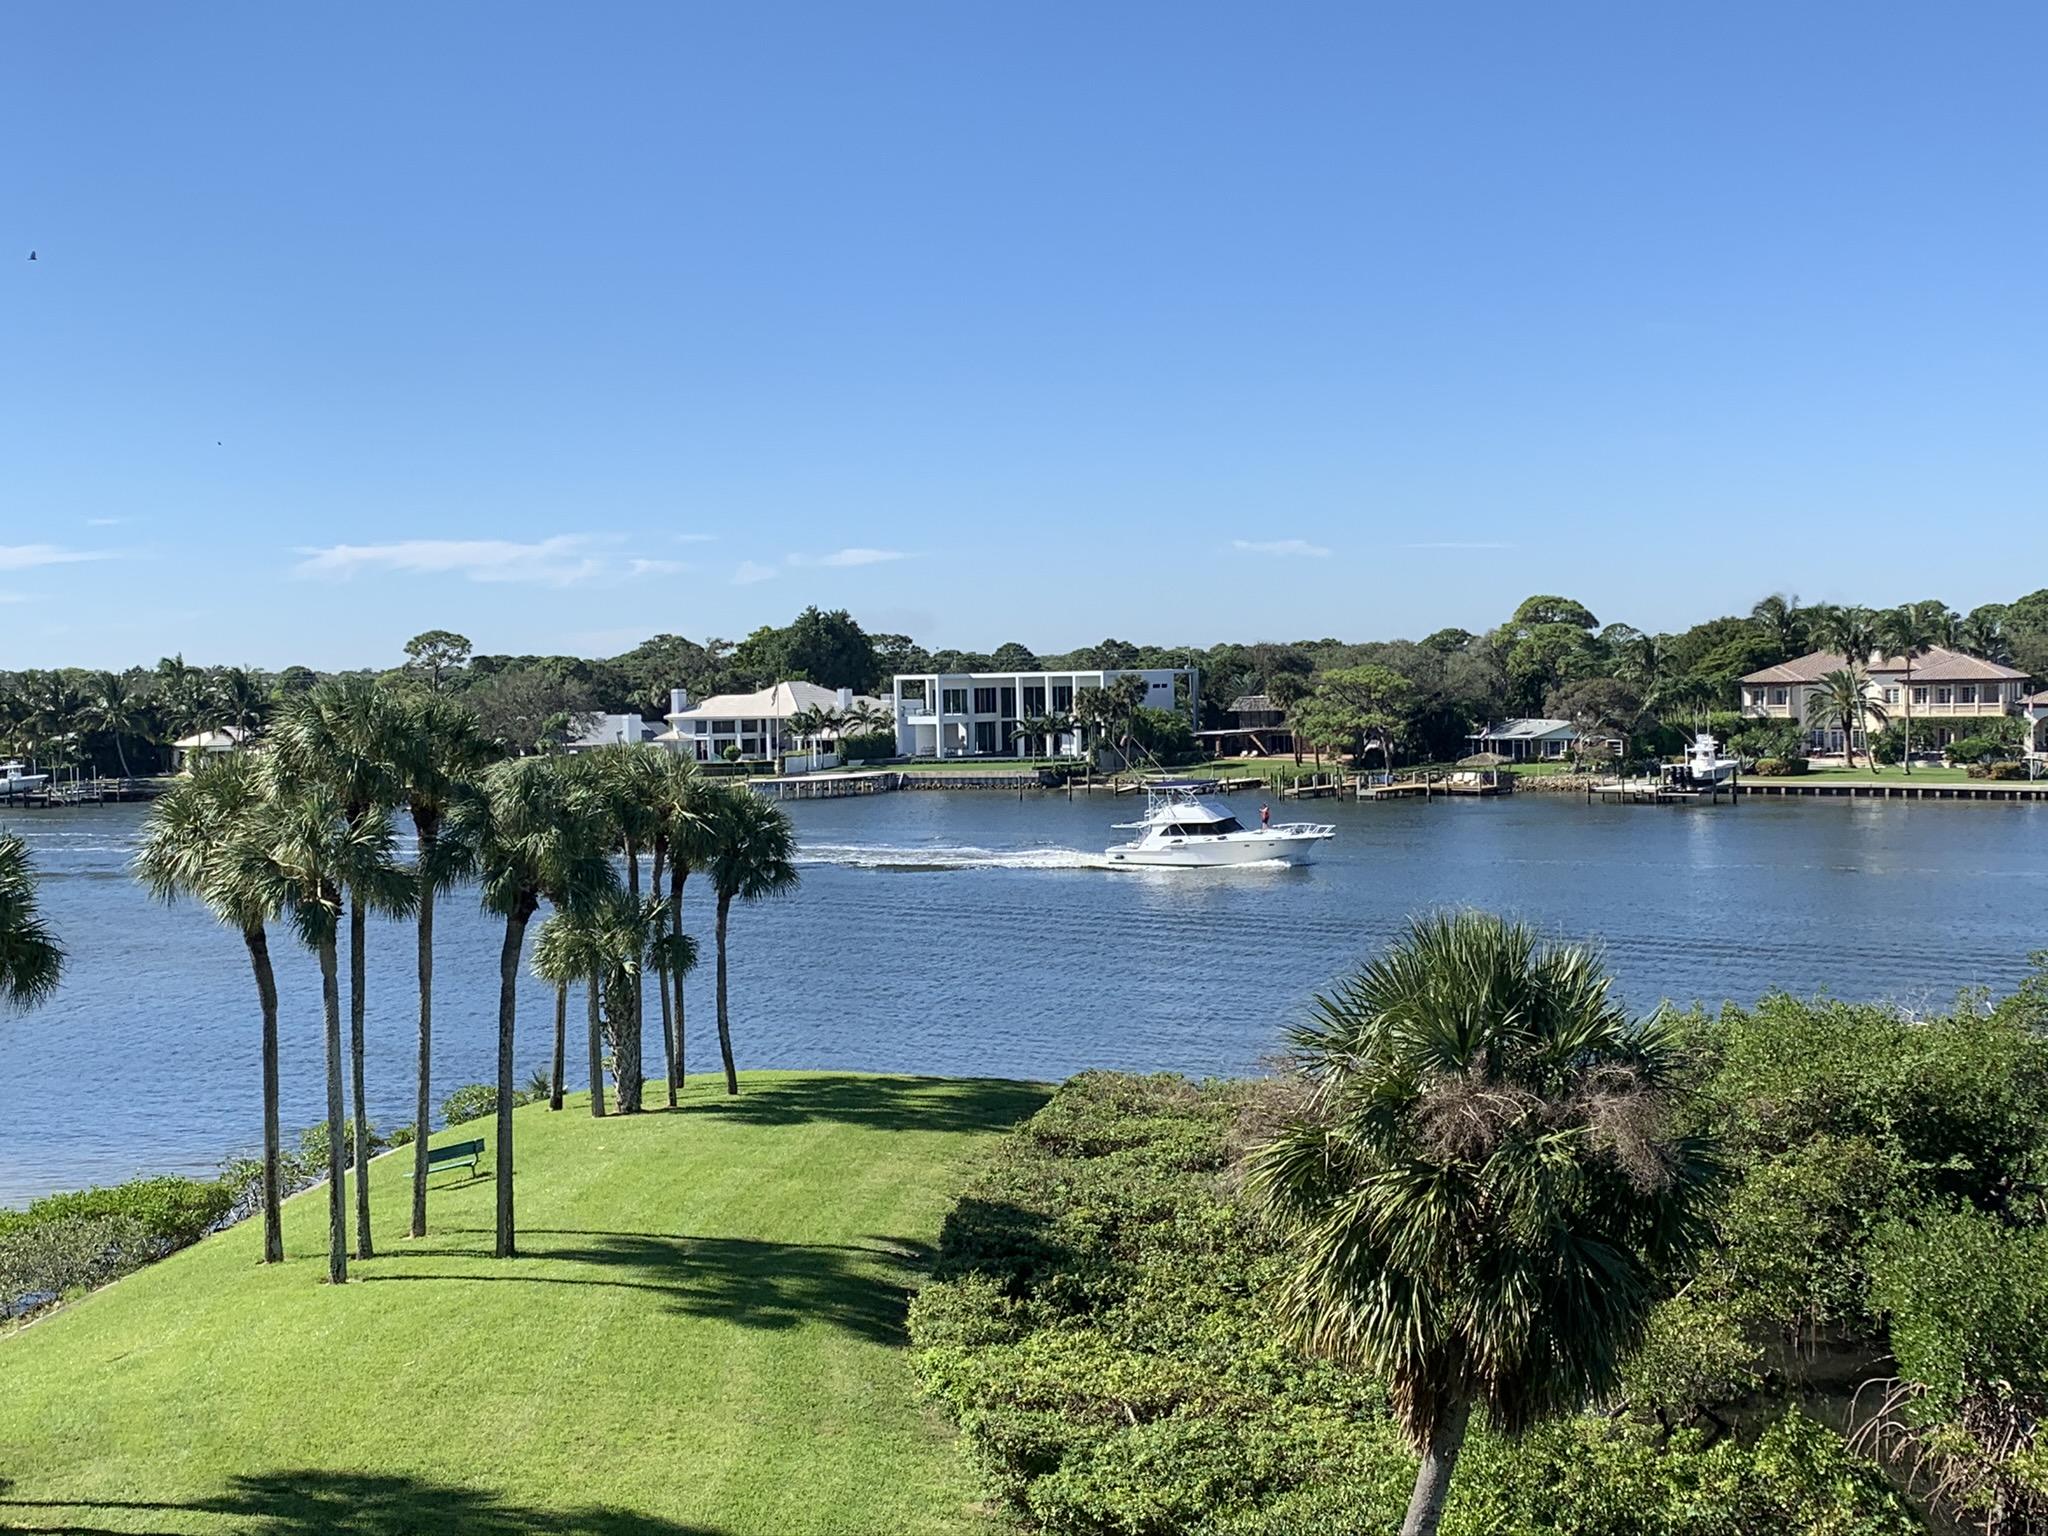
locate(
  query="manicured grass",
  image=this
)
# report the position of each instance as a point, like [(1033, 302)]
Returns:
[(702, 1337)]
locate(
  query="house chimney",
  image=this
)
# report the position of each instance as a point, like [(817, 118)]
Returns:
[(846, 698), (678, 700)]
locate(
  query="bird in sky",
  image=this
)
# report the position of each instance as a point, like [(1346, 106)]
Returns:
[(31, 255)]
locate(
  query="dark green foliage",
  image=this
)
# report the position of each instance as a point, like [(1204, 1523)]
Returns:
[(472, 1102), (84, 1238), (1778, 740), (867, 747), (1778, 767), (1100, 1327)]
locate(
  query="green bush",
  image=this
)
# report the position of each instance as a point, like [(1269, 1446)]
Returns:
[(166, 1210), (312, 1153), (868, 746), (2003, 770), (1778, 767), (473, 1102), (1100, 1326), (43, 1261), (1780, 740)]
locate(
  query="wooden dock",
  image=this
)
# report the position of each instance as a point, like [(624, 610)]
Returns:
[(1430, 786), (82, 792), (1644, 792)]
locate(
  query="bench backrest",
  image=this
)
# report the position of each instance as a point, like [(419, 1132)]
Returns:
[(454, 1152)]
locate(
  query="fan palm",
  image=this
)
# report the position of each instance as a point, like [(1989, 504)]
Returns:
[(351, 736), (1906, 633), (1483, 1195), (565, 950), (542, 837), (204, 838), (1841, 701), (440, 750), (321, 852), (31, 959), (753, 856)]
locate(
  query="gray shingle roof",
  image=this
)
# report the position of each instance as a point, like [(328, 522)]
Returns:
[(1520, 730)]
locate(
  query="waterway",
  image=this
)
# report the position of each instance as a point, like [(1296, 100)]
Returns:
[(973, 932)]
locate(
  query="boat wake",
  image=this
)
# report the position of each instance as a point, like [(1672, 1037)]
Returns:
[(915, 859)]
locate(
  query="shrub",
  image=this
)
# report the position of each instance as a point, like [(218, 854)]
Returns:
[(732, 753), (1998, 770), (472, 1102), (1782, 740), (166, 1210), (1778, 767), (312, 1154), (42, 1261), (868, 746)]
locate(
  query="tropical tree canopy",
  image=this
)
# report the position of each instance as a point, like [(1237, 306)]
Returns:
[(31, 959)]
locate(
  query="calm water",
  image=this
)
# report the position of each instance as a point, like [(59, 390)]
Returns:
[(964, 932)]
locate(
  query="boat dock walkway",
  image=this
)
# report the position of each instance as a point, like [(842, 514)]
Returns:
[(80, 792), (1640, 792)]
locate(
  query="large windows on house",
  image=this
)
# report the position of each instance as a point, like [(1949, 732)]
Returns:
[(986, 735), (1062, 697), (984, 701), (955, 701), (1034, 698)]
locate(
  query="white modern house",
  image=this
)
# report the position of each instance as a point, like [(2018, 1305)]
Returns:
[(755, 723), (977, 714)]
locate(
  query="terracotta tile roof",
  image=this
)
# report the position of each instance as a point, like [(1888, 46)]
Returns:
[(1938, 665)]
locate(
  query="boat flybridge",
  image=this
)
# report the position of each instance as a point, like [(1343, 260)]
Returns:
[(1183, 830)]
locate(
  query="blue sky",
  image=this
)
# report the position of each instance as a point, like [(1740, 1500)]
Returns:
[(566, 325)]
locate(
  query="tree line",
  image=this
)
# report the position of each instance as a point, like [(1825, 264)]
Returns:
[(1550, 657)]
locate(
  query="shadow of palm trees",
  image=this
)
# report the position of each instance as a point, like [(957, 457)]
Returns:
[(897, 1103), (350, 1504), (863, 1288)]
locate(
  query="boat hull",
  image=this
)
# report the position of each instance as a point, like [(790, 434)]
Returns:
[(1217, 852)]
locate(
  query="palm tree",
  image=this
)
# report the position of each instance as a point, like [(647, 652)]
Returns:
[(753, 857), (686, 838), (351, 736), (31, 959), (1849, 632), (1906, 633), (1983, 635), (236, 698), (1784, 621), (543, 837), (320, 852), (628, 782), (440, 751), (865, 719), (116, 710), (1841, 701), (561, 956), (1484, 1194), (180, 694), (204, 838)]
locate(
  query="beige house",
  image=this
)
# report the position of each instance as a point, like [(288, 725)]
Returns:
[(1947, 689)]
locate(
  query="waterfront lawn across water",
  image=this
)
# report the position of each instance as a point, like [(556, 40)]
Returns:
[(703, 1335)]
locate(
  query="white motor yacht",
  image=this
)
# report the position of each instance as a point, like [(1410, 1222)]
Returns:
[(14, 783), (1183, 830)]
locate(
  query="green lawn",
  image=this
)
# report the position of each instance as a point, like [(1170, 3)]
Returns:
[(1862, 773), (703, 1338)]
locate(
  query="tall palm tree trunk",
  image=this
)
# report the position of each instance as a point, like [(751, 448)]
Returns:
[(356, 938), (337, 1195), (1906, 757), (626, 1049), (508, 1014), (423, 1101), (668, 1039), (677, 875), (1433, 1477), (732, 1078), (596, 1052), (121, 757), (266, 993), (561, 1045)]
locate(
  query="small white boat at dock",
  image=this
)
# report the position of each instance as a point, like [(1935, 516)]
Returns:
[(16, 785), (1182, 829)]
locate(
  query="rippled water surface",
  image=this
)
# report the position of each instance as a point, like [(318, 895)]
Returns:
[(971, 931)]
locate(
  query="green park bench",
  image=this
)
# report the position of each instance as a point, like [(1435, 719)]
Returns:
[(455, 1152)]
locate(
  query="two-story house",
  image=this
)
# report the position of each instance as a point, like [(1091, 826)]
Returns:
[(1947, 689)]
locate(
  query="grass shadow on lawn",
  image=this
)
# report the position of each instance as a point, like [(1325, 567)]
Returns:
[(896, 1103), (349, 1504), (862, 1288)]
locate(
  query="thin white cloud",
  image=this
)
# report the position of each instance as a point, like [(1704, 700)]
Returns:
[(1282, 547), (693, 538), (751, 571), (105, 522), (643, 567), (26, 557), (1459, 544), (846, 557), (559, 561)]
